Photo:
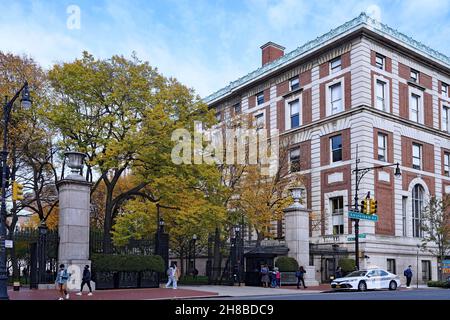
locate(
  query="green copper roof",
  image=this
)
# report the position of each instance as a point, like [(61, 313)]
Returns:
[(362, 20)]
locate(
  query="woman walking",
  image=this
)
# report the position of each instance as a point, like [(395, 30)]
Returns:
[(265, 276), (61, 282), (300, 277)]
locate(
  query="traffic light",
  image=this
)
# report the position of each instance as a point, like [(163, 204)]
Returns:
[(373, 206), (364, 206), (17, 193)]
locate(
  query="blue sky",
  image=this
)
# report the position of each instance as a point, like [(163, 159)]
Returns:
[(205, 44)]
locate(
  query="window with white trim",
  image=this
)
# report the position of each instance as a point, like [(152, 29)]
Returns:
[(444, 89), (446, 118), (417, 210), (294, 113), (447, 164), (260, 98), (294, 83), (381, 95), (336, 148), (404, 208), (294, 159), (414, 108), (379, 61), (335, 65), (336, 98), (417, 156), (382, 147), (414, 75), (337, 214)]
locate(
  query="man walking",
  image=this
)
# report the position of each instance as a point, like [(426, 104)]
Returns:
[(172, 272), (408, 274), (86, 280)]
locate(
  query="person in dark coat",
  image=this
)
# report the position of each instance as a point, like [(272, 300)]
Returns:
[(338, 273), (408, 274), (86, 280), (300, 274)]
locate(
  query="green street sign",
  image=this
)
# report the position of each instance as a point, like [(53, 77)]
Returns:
[(363, 216), (360, 236)]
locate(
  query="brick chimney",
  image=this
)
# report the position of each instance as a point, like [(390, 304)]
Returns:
[(271, 51)]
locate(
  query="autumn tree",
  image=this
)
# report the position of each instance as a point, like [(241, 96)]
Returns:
[(121, 113), (436, 228)]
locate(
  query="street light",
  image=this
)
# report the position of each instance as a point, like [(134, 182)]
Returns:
[(7, 107), (359, 174), (194, 239), (417, 267)]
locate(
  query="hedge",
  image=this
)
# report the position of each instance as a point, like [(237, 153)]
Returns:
[(441, 284), (127, 263), (347, 265), (190, 280), (287, 264)]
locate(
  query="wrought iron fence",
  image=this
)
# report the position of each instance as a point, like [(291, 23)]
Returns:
[(145, 246)]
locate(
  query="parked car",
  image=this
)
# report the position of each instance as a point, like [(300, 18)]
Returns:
[(363, 280)]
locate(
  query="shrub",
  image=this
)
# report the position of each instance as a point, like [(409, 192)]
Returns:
[(286, 264), (441, 284), (347, 264), (127, 262), (191, 280)]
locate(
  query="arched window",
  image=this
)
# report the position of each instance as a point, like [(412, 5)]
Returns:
[(417, 208)]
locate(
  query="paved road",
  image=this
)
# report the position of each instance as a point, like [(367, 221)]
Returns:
[(418, 294)]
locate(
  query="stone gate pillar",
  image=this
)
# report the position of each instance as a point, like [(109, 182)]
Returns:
[(74, 216), (297, 234)]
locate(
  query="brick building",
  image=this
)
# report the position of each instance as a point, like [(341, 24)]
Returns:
[(362, 84)]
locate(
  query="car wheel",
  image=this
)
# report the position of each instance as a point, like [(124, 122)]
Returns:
[(362, 286), (393, 285)]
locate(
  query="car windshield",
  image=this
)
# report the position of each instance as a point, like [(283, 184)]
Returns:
[(356, 274)]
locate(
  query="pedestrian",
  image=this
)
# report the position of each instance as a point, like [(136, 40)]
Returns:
[(86, 280), (408, 274), (300, 274), (172, 272), (278, 277), (338, 273), (265, 276), (61, 282), (273, 279)]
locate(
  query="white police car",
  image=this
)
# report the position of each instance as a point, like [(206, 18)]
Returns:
[(363, 280)]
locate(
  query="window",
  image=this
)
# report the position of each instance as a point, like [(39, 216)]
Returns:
[(446, 118), (294, 159), (382, 147), (417, 208), (417, 156), (294, 84), (414, 74), (336, 98), (337, 213), (391, 266), (415, 108), (260, 98), (447, 164), (336, 148), (404, 202), (379, 61), (259, 121), (426, 270), (335, 64), (237, 108), (444, 89), (294, 112), (381, 95), (218, 116)]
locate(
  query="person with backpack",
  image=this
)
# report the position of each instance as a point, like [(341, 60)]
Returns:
[(172, 273), (408, 274), (61, 282), (300, 277), (86, 280)]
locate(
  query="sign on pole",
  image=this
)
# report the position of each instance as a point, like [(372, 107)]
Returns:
[(362, 216), (360, 236)]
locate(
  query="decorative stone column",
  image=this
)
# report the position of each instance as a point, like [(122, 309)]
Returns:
[(74, 214), (297, 234)]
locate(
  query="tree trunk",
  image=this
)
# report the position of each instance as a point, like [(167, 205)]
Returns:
[(217, 259), (107, 226)]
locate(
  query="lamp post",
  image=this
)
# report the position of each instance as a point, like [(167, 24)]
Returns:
[(194, 240), (359, 174), (7, 107), (237, 230), (417, 267)]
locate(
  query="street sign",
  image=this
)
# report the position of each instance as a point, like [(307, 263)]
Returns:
[(360, 236), (362, 216), (8, 244)]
